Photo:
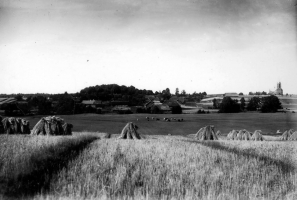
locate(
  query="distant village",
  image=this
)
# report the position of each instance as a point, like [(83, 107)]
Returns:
[(146, 102)]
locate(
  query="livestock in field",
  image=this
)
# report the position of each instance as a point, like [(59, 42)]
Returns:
[(206, 133), (293, 136), (232, 135), (52, 126), (257, 136), (243, 135), (130, 132)]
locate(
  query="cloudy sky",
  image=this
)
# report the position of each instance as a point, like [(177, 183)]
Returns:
[(215, 46)]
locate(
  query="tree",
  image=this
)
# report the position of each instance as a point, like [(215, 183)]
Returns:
[(215, 103), (240, 93), (19, 97), (176, 91), (229, 106), (183, 92), (166, 94), (242, 104), (65, 105), (254, 104), (250, 93), (264, 93), (270, 104)]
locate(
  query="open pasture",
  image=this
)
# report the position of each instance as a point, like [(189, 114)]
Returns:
[(269, 123)]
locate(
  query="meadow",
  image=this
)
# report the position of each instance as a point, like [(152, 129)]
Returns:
[(89, 165)]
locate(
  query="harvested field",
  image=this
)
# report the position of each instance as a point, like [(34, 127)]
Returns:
[(175, 167), (178, 166), (268, 123)]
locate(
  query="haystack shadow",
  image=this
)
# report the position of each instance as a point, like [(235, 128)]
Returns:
[(285, 167)]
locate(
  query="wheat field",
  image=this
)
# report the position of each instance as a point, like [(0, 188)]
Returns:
[(164, 167), (91, 166)]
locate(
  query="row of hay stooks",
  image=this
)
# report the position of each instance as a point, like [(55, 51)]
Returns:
[(208, 133), (51, 125)]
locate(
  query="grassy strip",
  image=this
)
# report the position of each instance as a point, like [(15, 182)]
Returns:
[(167, 168), (29, 163)]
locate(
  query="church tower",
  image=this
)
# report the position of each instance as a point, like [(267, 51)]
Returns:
[(279, 90)]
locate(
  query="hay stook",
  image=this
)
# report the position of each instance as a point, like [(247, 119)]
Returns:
[(206, 133), (130, 132), (257, 136), (293, 136), (243, 135), (9, 125), (232, 135), (52, 126)]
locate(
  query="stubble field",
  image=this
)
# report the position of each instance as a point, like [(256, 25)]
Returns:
[(89, 166)]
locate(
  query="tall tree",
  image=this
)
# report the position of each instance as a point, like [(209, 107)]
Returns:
[(176, 91), (215, 103), (183, 92), (242, 104)]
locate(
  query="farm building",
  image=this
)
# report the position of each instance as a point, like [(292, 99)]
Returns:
[(174, 106), (11, 106), (92, 103), (208, 102), (121, 109), (119, 103), (161, 109)]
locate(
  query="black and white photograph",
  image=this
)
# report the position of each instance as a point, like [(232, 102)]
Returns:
[(148, 99)]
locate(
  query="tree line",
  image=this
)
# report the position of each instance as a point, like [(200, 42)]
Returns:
[(264, 104), (71, 103)]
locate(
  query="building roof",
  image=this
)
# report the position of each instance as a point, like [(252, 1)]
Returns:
[(7, 100), (210, 99), (91, 102), (171, 103), (231, 94), (164, 107)]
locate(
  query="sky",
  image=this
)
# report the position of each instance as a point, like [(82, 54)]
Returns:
[(216, 46)]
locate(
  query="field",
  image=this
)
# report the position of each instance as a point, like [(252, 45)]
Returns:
[(268, 123), (88, 165)]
